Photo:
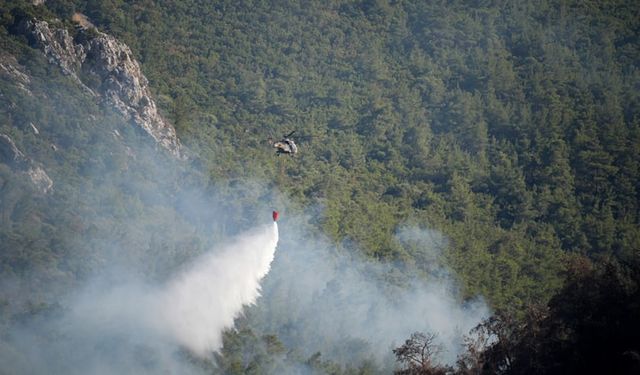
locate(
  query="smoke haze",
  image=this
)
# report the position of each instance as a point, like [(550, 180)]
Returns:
[(352, 310), (134, 327), (136, 294)]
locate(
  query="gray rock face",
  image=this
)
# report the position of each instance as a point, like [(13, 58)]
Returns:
[(56, 44), (40, 178), (114, 74), (124, 86), (14, 158), (9, 152), (13, 71)]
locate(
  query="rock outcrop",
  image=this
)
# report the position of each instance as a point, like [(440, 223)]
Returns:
[(11, 70), (109, 70), (14, 158), (57, 45)]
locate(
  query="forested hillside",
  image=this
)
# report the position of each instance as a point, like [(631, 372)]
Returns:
[(512, 128)]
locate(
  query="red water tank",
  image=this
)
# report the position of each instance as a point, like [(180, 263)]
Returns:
[(275, 214)]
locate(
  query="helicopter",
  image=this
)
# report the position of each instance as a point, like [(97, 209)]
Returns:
[(286, 145)]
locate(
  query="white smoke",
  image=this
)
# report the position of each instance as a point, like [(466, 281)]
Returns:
[(352, 310), (130, 326)]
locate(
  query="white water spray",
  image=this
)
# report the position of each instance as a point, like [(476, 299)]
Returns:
[(190, 311), (200, 303)]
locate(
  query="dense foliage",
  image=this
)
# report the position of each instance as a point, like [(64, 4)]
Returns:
[(589, 327), (512, 127)]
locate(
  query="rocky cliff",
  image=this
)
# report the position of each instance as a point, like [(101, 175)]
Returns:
[(12, 71), (105, 67), (14, 158)]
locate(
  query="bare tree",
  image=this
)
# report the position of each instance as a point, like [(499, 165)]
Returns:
[(417, 355)]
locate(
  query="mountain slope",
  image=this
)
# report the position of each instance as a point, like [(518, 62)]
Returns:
[(513, 129), (507, 127)]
